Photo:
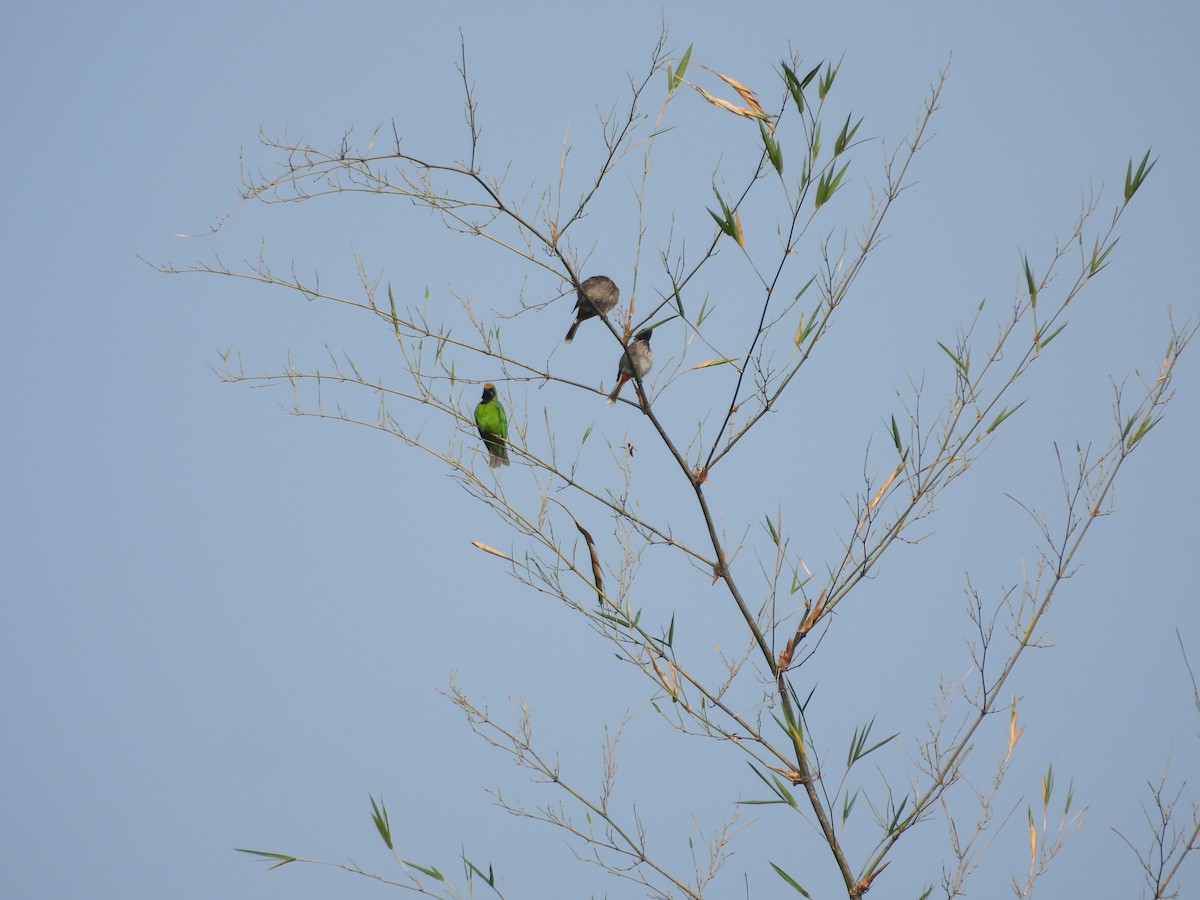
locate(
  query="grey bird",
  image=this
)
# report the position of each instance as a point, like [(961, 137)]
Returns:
[(597, 295), (636, 360)]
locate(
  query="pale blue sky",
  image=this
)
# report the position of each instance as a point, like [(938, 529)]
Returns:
[(225, 626)]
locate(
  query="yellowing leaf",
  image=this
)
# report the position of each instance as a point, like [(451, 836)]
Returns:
[(744, 92), (492, 550), (1014, 733), (1032, 840), (708, 363), (726, 105)]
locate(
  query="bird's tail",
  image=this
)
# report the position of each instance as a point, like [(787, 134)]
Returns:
[(612, 398), (571, 331), (498, 455)]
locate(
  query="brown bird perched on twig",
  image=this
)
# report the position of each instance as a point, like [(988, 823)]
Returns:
[(636, 360), (597, 295)]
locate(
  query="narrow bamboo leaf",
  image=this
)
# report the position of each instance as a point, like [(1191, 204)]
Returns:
[(845, 136), (828, 184), (432, 873), (675, 77), (896, 437), (773, 152), (1032, 839), (747, 94), (619, 621), (801, 332), (1046, 340), (1047, 785), (1133, 180), (809, 77), (683, 62), (380, 817), (896, 818), (771, 530), (1143, 430), (1070, 798), (790, 880), (848, 806), (879, 744), (962, 366), (776, 786), (492, 550), (490, 877), (709, 363), (724, 225), (1029, 282), (1003, 415), (816, 143), (793, 86), (282, 858), (1099, 257), (395, 318), (826, 81)]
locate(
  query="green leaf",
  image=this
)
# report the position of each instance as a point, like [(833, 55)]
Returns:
[(1099, 257), (1030, 283), (858, 748), (1046, 340), (777, 787), (896, 437), (774, 153), (1133, 180), (683, 61), (771, 530), (675, 77), (728, 221), (432, 873), (846, 136), (826, 81), (828, 184), (809, 77), (790, 880), (1144, 428), (490, 877), (380, 817), (962, 365), (793, 86), (1003, 415), (395, 318), (283, 858), (848, 805)]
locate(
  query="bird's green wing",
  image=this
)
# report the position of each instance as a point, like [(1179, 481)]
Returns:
[(501, 419)]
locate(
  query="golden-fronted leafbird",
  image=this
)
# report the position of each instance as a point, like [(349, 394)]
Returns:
[(493, 426)]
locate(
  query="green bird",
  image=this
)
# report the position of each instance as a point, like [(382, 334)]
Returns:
[(493, 426)]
